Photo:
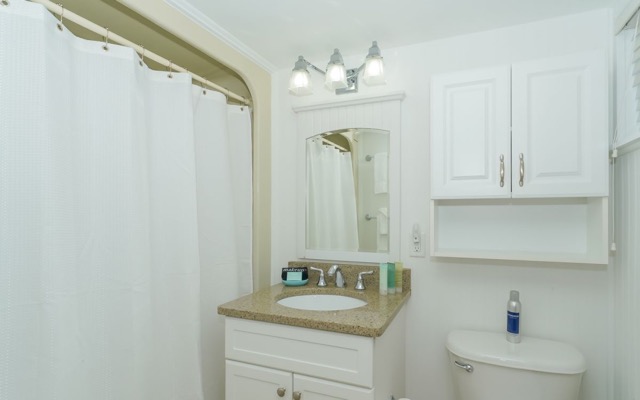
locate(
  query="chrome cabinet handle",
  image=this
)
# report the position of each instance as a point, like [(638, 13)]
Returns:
[(297, 395), (281, 391), (521, 182), (466, 367), (501, 170)]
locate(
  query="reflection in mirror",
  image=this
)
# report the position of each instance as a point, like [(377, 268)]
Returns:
[(347, 199)]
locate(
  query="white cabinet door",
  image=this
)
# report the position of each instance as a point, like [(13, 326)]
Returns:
[(470, 134), (560, 124), (250, 382), (318, 389)]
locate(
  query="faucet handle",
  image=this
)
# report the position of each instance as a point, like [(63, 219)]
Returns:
[(321, 281), (360, 282)]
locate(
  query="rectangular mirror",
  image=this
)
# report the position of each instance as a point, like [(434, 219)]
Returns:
[(348, 175), (347, 207)]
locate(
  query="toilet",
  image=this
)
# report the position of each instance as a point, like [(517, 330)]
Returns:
[(486, 366)]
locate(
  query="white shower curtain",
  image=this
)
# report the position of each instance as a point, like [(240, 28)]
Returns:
[(109, 279), (331, 203), (224, 222)]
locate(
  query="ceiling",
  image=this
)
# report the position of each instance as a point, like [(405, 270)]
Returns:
[(274, 33)]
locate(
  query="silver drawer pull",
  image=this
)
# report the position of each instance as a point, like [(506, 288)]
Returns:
[(281, 391), (501, 170), (297, 395), (466, 367), (521, 170)]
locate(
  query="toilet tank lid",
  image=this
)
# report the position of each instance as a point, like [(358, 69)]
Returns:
[(530, 354)]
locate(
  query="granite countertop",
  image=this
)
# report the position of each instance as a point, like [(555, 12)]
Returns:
[(370, 320)]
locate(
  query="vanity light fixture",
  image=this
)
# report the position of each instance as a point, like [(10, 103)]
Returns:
[(337, 77)]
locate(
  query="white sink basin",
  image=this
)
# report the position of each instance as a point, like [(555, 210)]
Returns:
[(322, 302)]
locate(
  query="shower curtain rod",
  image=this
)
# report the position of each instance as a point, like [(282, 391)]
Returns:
[(110, 36)]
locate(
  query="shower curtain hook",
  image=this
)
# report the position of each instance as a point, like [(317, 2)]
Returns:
[(204, 90), (105, 47), (170, 74), (141, 61), (60, 26)]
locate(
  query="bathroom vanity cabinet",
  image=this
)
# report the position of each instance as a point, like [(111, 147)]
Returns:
[(271, 361), (520, 161)]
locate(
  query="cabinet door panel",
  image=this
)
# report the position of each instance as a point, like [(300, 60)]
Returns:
[(318, 389), (250, 382), (560, 125), (470, 114)]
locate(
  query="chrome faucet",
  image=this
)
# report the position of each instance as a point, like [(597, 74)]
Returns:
[(335, 270), (321, 281)]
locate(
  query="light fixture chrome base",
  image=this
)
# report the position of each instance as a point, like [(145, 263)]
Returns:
[(352, 82)]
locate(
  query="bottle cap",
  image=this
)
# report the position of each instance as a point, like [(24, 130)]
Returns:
[(514, 295)]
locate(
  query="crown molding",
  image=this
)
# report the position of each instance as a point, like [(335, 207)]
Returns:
[(219, 32), (354, 101)]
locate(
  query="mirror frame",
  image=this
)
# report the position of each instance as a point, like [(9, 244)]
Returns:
[(380, 112)]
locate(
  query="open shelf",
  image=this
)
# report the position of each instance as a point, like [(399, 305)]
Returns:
[(567, 230)]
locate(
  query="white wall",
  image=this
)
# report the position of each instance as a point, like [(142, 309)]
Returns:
[(562, 302)]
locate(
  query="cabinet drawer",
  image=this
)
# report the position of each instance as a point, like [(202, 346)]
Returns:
[(335, 356)]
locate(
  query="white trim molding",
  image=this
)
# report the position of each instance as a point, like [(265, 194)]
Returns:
[(625, 15), (629, 147), (354, 101)]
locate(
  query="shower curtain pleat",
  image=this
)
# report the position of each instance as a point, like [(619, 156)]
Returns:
[(225, 271), (239, 134), (102, 295)]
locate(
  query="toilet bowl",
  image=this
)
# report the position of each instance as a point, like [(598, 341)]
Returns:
[(486, 366)]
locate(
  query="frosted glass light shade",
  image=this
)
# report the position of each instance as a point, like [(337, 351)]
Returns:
[(300, 83), (300, 80), (374, 71), (374, 67), (336, 77), (336, 74)]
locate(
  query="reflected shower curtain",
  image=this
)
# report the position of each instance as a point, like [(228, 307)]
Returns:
[(332, 222), (104, 270)]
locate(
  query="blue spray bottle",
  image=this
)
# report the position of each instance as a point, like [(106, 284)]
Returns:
[(513, 317)]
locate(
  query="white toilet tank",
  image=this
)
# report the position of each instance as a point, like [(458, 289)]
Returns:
[(491, 368)]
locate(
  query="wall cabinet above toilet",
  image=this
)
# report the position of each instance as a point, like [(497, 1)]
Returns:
[(519, 161), (531, 129)]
